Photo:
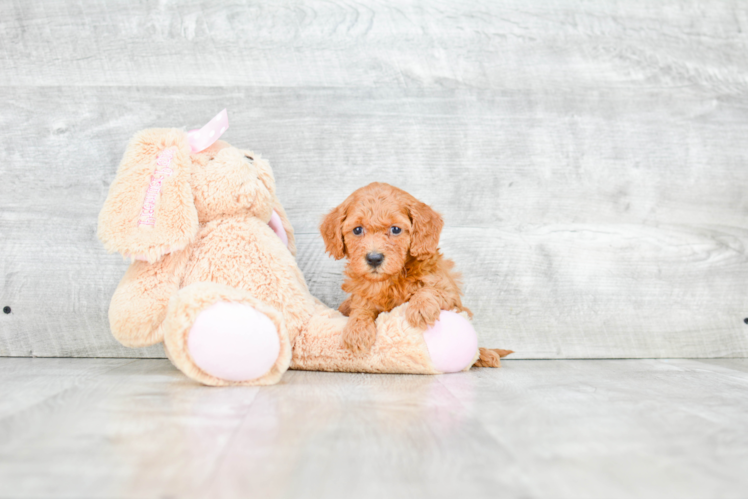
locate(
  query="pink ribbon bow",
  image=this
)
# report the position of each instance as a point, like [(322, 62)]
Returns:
[(206, 136)]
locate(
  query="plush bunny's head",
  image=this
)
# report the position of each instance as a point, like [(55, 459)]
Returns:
[(162, 193)]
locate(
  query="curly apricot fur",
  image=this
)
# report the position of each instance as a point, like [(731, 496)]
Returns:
[(413, 269)]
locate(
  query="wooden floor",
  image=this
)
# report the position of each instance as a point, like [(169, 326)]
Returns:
[(124, 427)]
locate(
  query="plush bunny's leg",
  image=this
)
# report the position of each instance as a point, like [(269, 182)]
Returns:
[(452, 342), (233, 341), (219, 335), (399, 347)]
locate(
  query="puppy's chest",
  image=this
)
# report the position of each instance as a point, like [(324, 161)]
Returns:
[(387, 296)]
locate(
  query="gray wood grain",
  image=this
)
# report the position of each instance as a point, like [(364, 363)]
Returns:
[(516, 44), (559, 429), (588, 159), (643, 428), (30, 383)]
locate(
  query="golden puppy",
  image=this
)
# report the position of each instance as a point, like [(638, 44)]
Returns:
[(391, 240)]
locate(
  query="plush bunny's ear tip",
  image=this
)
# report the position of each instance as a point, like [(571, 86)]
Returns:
[(150, 210)]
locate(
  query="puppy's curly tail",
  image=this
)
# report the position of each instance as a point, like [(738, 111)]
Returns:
[(491, 358)]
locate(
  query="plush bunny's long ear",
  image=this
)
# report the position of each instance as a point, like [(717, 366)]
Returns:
[(150, 210)]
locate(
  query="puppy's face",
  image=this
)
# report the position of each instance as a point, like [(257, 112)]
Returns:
[(376, 235), (378, 227)]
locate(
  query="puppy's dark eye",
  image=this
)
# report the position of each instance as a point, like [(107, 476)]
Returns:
[(358, 230), (395, 230)]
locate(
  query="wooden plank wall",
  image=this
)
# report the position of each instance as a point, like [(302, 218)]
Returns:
[(588, 157)]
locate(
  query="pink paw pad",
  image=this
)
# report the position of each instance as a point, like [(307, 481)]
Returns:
[(233, 342), (452, 342)]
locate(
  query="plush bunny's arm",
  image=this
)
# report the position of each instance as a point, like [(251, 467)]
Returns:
[(139, 304)]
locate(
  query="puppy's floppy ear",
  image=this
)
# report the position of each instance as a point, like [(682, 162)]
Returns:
[(332, 230), (150, 210), (427, 226)]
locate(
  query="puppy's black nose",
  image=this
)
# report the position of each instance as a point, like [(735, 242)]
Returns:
[(374, 259)]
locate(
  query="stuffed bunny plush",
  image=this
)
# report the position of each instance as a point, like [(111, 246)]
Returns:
[(214, 275)]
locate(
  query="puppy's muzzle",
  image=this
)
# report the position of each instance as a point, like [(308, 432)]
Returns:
[(374, 259)]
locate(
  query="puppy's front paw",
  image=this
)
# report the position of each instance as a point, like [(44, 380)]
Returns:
[(345, 307), (423, 311), (359, 335)]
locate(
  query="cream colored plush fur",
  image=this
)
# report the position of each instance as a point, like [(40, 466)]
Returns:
[(211, 242)]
